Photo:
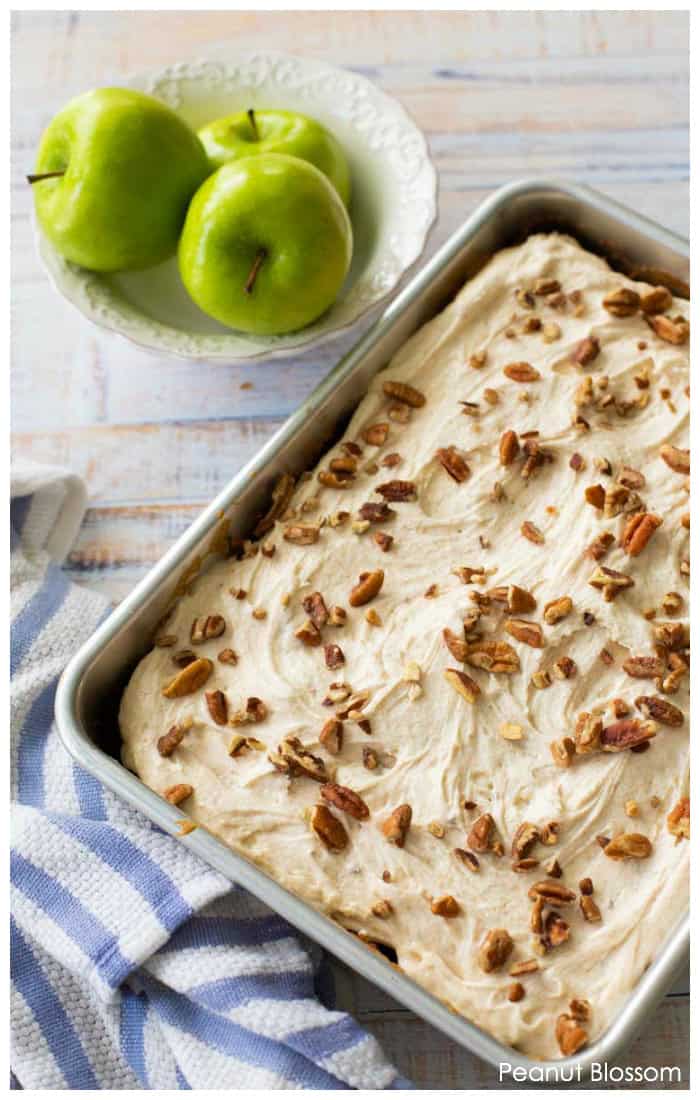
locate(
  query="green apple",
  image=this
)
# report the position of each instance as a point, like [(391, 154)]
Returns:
[(266, 245), (114, 174), (251, 133)]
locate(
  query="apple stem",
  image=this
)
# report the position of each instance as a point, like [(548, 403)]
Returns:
[(253, 124), (259, 260), (44, 176)]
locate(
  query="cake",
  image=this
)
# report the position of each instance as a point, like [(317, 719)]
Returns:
[(441, 694)]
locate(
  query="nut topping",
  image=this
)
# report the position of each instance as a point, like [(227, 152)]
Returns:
[(516, 599), (366, 588), (407, 395), (525, 631), (622, 302), (167, 744), (376, 434), (570, 1035), (345, 799), (227, 657), (328, 828), (293, 760), (660, 710), (552, 893), (496, 657), (376, 511), (527, 966), (589, 909), (190, 679), (463, 684), (446, 906), (495, 949), (177, 794), (315, 607), (638, 530), (331, 736), (397, 491), (628, 846), (521, 372), (334, 656), (532, 533), (556, 610), (672, 332), (397, 824), (453, 462), (610, 581), (457, 646), (508, 447), (586, 351), (480, 834), (308, 633), (211, 626), (678, 821), (254, 711), (677, 459), (467, 858), (218, 706), (644, 668), (526, 837)]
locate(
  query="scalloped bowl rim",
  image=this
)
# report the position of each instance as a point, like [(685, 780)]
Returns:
[(158, 337)]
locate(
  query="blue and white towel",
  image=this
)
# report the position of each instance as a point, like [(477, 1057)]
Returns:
[(135, 966)]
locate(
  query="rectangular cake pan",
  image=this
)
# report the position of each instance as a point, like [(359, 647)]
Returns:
[(88, 693)]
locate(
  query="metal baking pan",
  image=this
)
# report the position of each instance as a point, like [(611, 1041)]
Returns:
[(89, 690)]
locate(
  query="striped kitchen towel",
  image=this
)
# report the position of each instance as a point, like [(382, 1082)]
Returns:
[(135, 966)]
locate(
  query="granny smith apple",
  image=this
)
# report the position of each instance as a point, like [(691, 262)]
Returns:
[(114, 175), (251, 133), (266, 245)]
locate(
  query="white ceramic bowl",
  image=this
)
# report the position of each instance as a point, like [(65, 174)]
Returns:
[(392, 208)]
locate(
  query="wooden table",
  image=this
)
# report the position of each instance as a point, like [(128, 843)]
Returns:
[(597, 97)]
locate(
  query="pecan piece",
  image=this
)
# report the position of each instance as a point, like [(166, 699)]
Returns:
[(467, 858), (376, 511), (383, 541), (563, 751), (218, 706), (308, 633), (570, 1035), (376, 434), (516, 599), (397, 491), (610, 581), (638, 530), (587, 734), (497, 657), (672, 332), (227, 657), (345, 799), (254, 711), (678, 821), (527, 966), (532, 533), (177, 794), (209, 626), (331, 736), (644, 668), (453, 462), (191, 678), (622, 302), (600, 545), (552, 893), (446, 906), (630, 478), (676, 458), (508, 447), (657, 300), (302, 534), (457, 646), (595, 496), (556, 610), (589, 909), (628, 846), (334, 656), (328, 828), (167, 744), (521, 372), (397, 824), (555, 931), (480, 834), (586, 351), (463, 684), (407, 395), (315, 607), (366, 588), (660, 710), (526, 837), (293, 759), (525, 631), (495, 949)]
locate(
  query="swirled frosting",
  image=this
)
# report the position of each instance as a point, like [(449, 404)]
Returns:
[(450, 759)]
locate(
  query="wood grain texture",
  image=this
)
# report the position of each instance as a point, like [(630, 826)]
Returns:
[(597, 97)]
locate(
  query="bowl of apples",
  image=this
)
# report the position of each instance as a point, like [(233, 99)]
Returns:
[(232, 208)]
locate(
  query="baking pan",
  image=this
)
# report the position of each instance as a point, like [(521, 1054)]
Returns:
[(88, 692)]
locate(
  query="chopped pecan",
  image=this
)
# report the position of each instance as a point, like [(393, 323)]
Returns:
[(315, 607), (546, 286), (552, 893), (191, 678), (467, 858), (589, 909), (555, 931), (564, 668), (586, 351), (657, 300), (622, 302), (457, 646), (521, 372), (526, 966), (337, 616), (526, 837), (397, 824), (294, 759), (167, 744), (532, 533), (660, 710), (638, 530), (209, 626), (678, 821), (677, 459), (600, 545), (334, 656), (672, 331), (376, 434), (239, 744), (446, 906), (331, 736), (303, 534), (463, 684), (563, 751), (308, 633), (345, 799), (516, 991), (497, 657), (570, 1035), (508, 447), (481, 833), (345, 464), (328, 828), (525, 631), (177, 794), (397, 490), (453, 462), (630, 478), (383, 541), (595, 495), (644, 668), (218, 706), (227, 657), (516, 599), (376, 511), (495, 949), (366, 588), (628, 846), (610, 581), (370, 759), (332, 479), (407, 395), (556, 610)]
